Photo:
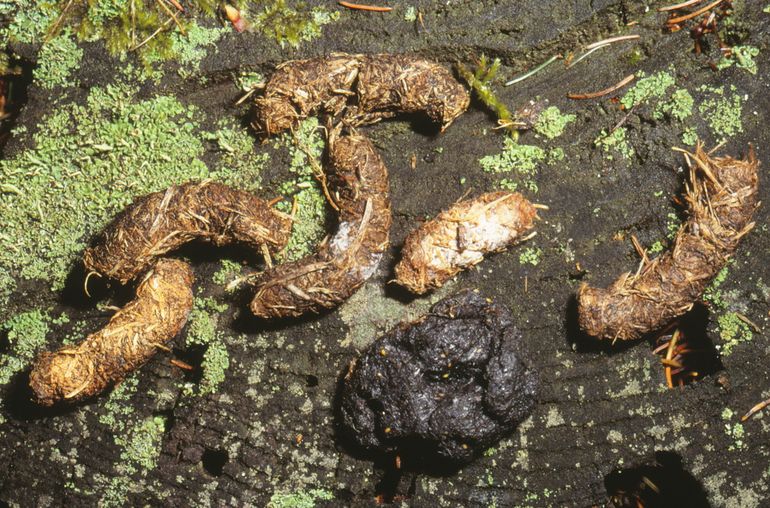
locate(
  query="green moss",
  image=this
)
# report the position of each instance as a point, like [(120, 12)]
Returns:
[(678, 107), (239, 165), (614, 142), (523, 159), (141, 448), (191, 48), (480, 82), (25, 333), (551, 122), (520, 159), (673, 223), (656, 247), (646, 89), (215, 363), (202, 331), (305, 147), (733, 430), (690, 136), (300, 499), (287, 22), (29, 20), (733, 331), (410, 14), (56, 60), (202, 328), (713, 293), (723, 112), (531, 256), (228, 271), (248, 80)]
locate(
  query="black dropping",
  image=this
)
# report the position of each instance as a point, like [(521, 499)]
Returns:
[(440, 390), (214, 461), (663, 483), (311, 381)]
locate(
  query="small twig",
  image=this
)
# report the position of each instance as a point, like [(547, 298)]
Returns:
[(173, 16), (534, 71), (601, 93), (585, 55), (182, 365), (676, 7), (361, 7), (611, 40), (674, 21), (756, 409), (156, 32)]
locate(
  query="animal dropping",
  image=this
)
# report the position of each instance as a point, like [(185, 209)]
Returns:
[(721, 199), (459, 238), (358, 181), (441, 389), (371, 87), (163, 221), (163, 302)]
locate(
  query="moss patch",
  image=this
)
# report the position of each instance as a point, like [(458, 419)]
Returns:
[(733, 331), (305, 147), (300, 499), (56, 61), (615, 142), (722, 111), (25, 333), (202, 331), (523, 160), (551, 122), (648, 88)]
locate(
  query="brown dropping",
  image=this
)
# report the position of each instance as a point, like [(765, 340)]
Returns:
[(721, 199), (459, 238), (373, 87), (358, 181), (163, 301), (163, 221)]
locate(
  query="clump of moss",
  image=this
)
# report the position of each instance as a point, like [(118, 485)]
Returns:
[(743, 57), (713, 293), (300, 499), (57, 58), (229, 271), (480, 82), (215, 362), (648, 88), (202, 331), (733, 430), (551, 122), (305, 147), (723, 112), (733, 331), (239, 164), (614, 142), (530, 256), (689, 136), (25, 333), (288, 23), (678, 107)]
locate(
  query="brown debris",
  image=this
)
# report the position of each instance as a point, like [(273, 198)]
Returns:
[(722, 197), (160, 222), (358, 180), (163, 301), (459, 238), (373, 86)]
